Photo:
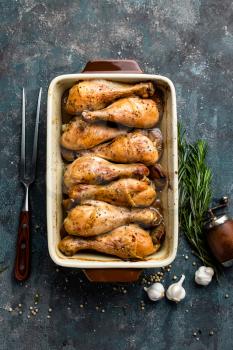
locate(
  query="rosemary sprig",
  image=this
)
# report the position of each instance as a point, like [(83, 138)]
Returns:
[(194, 194)]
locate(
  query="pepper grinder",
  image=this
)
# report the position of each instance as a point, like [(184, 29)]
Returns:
[(219, 230)]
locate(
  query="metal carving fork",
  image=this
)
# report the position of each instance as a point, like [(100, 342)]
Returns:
[(22, 260)]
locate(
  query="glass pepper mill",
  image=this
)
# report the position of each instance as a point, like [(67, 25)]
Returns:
[(219, 230)]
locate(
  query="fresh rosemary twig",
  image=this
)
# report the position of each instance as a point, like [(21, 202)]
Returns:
[(194, 195)]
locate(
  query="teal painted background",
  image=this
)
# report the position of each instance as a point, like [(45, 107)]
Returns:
[(191, 42)]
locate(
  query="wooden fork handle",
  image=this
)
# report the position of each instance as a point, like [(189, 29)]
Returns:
[(22, 260)]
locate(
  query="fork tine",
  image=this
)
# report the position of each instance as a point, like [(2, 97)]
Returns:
[(34, 154), (22, 160)]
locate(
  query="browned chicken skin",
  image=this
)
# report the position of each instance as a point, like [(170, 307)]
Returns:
[(94, 170), (126, 242), (132, 111), (158, 175), (96, 94), (158, 234), (79, 134), (144, 146), (92, 218), (123, 192), (135, 147)]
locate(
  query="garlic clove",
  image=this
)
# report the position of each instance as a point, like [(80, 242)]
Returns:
[(176, 291), (204, 275), (155, 291)]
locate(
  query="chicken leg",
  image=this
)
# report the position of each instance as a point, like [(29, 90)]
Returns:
[(96, 94), (94, 170), (137, 146), (132, 111), (92, 218), (123, 192), (79, 134), (126, 242)]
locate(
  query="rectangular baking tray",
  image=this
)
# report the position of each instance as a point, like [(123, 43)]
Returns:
[(54, 175)]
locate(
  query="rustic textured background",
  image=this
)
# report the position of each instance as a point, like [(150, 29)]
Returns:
[(191, 42)]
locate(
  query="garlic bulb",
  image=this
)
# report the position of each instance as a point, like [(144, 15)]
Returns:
[(176, 292), (203, 275), (155, 291)]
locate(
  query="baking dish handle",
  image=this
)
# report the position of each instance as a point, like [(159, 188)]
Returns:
[(112, 275), (112, 66)]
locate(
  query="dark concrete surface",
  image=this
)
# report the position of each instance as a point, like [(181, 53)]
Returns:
[(191, 42)]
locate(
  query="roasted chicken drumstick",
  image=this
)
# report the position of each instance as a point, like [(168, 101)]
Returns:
[(132, 111), (96, 94), (123, 192), (94, 170), (144, 146), (79, 134), (135, 147), (126, 242), (92, 218)]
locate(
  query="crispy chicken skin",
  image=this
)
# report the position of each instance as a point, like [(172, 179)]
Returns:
[(79, 135), (132, 111), (159, 176), (96, 94), (94, 170), (124, 192), (158, 234), (144, 146), (126, 242), (135, 147), (92, 218)]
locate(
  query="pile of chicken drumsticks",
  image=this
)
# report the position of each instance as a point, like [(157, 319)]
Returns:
[(111, 147)]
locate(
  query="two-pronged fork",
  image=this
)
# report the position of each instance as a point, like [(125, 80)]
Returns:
[(22, 260)]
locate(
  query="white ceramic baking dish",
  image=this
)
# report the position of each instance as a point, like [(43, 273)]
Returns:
[(55, 171)]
